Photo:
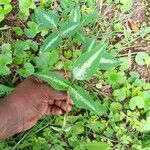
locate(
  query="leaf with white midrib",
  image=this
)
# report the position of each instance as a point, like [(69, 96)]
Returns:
[(46, 18), (108, 61), (51, 42), (86, 65), (81, 98), (69, 29), (75, 15), (90, 44), (57, 81)]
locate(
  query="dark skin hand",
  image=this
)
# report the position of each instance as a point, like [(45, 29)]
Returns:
[(31, 100)]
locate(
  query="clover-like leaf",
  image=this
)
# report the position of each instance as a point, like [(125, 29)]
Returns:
[(140, 58), (4, 61), (136, 101)]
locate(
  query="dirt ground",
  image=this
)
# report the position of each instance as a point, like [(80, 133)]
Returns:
[(138, 16)]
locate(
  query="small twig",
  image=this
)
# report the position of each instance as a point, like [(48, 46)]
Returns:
[(98, 91)]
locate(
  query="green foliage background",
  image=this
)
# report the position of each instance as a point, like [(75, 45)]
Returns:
[(63, 36)]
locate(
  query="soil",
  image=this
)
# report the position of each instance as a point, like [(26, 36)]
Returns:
[(137, 17)]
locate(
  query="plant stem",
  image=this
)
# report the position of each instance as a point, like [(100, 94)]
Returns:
[(98, 91)]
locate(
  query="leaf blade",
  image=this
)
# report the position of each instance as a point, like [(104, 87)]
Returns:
[(90, 44), (57, 81), (46, 19), (86, 65), (81, 98), (69, 29), (107, 61), (75, 14), (51, 42)]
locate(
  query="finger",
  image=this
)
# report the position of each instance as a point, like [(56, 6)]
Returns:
[(63, 105), (70, 102), (48, 111), (56, 110), (57, 95), (51, 102)]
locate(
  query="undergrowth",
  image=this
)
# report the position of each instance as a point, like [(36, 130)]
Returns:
[(92, 40)]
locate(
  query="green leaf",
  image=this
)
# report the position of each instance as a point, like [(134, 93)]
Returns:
[(87, 64), (80, 36), (18, 31), (48, 59), (96, 146), (81, 98), (6, 48), (89, 18), (145, 125), (146, 100), (136, 101), (27, 70), (118, 27), (140, 58), (69, 29), (147, 60), (46, 19), (51, 42), (4, 70), (5, 89), (125, 63), (120, 94), (5, 2), (126, 5), (24, 6), (90, 44), (57, 81), (32, 30), (107, 61), (75, 15), (4, 61)]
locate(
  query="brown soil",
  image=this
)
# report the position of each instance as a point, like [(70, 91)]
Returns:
[(138, 16)]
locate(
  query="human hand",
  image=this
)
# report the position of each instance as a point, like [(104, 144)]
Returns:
[(31, 100)]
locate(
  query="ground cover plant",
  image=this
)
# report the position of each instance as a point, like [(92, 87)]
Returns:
[(104, 45)]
